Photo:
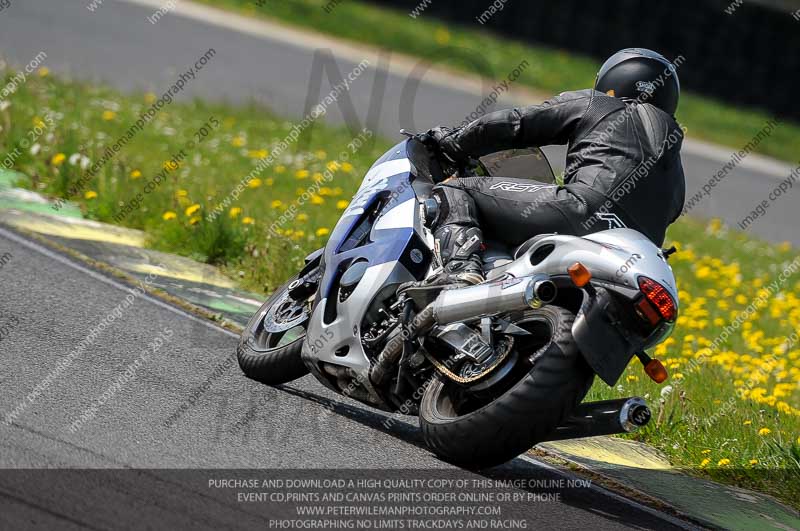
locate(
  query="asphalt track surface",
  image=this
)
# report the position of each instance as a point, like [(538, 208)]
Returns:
[(53, 304), (118, 45)]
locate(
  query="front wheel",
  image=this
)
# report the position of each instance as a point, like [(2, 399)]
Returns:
[(269, 349), (491, 426)]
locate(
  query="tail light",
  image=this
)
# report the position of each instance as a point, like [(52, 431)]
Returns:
[(660, 301)]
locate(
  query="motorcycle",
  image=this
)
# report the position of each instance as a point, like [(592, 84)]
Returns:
[(490, 369)]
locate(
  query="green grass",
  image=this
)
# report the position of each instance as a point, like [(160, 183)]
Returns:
[(481, 52), (208, 173), (712, 260)]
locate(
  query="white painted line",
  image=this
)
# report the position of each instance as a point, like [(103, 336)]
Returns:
[(122, 287), (401, 65), (407, 66), (722, 155), (605, 492), (107, 280)]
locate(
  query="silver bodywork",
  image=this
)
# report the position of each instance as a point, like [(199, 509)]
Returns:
[(619, 256), (343, 334)]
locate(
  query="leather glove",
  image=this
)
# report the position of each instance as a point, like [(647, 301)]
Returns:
[(442, 140)]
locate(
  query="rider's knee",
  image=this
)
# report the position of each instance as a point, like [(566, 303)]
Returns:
[(449, 206)]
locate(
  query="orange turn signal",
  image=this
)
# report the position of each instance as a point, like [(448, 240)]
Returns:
[(579, 274), (656, 371)]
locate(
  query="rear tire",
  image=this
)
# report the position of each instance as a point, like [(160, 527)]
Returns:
[(272, 357), (520, 417)]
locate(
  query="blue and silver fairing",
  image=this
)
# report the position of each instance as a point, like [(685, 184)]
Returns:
[(396, 251)]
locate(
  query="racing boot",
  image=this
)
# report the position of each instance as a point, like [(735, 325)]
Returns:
[(458, 273)]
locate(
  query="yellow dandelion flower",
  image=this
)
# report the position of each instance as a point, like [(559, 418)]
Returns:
[(632, 378), (238, 141), (58, 159), (346, 166), (704, 462), (342, 204), (43, 71), (747, 422), (317, 200), (318, 176), (764, 431), (269, 181), (195, 220), (703, 272), (171, 165), (678, 376), (109, 115), (276, 204), (322, 231), (706, 452), (280, 168), (234, 212), (442, 36), (247, 220), (258, 153), (723, 462), (333, 165), (301, 174), (135, 174), (325, 191), (192, 209), (753, 461), (302, 217), (254, 183), (90, 194), (166, 216), (149, 97), (181, 193), (321, 155)]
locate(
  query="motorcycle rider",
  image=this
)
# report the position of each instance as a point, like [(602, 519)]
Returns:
[(623, 166)]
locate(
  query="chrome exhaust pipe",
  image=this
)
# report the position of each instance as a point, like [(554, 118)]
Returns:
[(467, 304), (609, 417), (474, 302)]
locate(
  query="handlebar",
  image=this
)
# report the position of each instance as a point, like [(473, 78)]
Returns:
[(462, 168)]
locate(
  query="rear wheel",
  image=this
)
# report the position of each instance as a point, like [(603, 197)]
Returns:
[(269, 349), (545, 379)]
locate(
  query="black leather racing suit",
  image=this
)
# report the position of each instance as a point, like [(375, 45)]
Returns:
[(623, 169)]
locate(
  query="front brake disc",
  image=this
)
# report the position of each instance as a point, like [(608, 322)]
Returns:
[(285, 314)]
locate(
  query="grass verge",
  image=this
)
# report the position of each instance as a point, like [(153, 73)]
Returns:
[(731, 412), (179, 168), (483, 53)]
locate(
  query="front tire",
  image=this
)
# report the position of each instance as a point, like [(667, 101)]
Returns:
[(521, 416), (269, 348)]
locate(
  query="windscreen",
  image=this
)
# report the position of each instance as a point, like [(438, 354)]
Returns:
[(528, 163)]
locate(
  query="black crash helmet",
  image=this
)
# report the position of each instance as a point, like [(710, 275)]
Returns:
[(643, 75)]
